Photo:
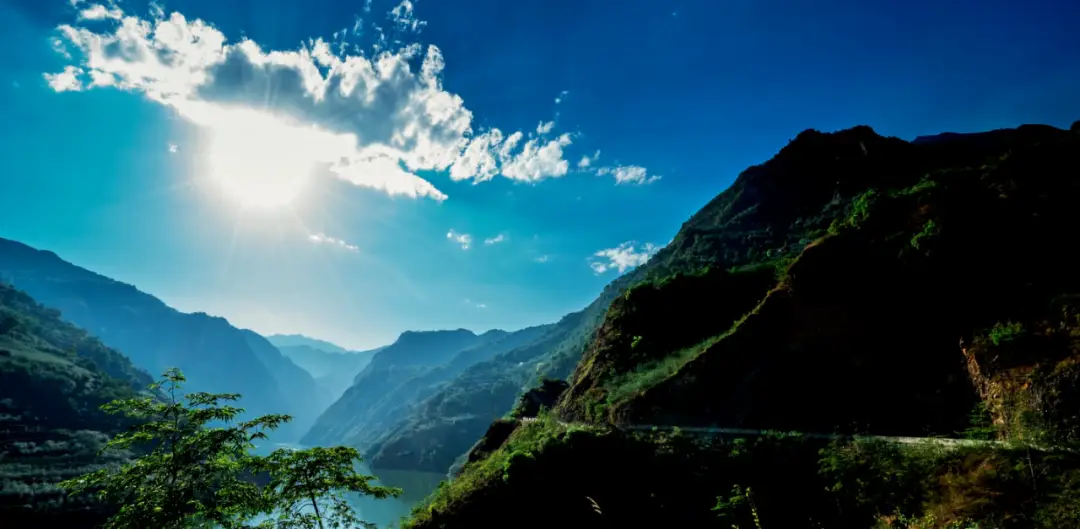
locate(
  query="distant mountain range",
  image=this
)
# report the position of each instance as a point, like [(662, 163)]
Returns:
[(295, 340), (332, 367), (214, 355), (371, 396)]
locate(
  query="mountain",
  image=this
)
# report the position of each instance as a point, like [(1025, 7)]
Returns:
[(408, 370), (306, 397), (297, 340), (53, 378), (439, 429), (853, 284), (214, 355), (332, 371), (767, 215)]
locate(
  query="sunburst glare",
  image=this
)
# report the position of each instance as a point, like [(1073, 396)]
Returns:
[(263, 161)]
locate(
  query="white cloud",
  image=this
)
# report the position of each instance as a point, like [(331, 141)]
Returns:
[(100, 12), (321, 238), (587, 161), (495, 240), (536, 162), (65, 81), (475, 304), (404, 17), (562, 96), (385, 119), (622, 257), (545, 127), (478, 161), (542, 259), (99, 78), (628, 174), (464, 239), (173, 148)]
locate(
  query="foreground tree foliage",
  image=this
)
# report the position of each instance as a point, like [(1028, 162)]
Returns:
[(195, 468)]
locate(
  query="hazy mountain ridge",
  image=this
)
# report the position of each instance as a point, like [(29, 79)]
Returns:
[(441, 428), (294, 340), (332, 371), (215, 356), (413, 354), (392, 407)]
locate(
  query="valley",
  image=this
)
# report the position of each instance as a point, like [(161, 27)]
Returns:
[(857, 310)]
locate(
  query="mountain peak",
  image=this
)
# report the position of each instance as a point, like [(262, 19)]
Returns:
[(292, 340)]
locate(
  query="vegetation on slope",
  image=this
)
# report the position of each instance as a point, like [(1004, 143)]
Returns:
[(550, 474), (53, 378)]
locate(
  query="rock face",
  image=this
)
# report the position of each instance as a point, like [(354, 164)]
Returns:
[(542, 397), (215, 356)]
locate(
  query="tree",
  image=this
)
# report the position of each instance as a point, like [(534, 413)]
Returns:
[(318, 478), (7, 323), (194, 467)]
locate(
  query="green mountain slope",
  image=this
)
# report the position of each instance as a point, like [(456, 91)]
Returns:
[(53, 378), (852, 284), (215, 355), (761, 218)]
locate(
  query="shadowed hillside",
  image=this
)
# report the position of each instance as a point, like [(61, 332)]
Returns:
[(53, 378), (852, 284)]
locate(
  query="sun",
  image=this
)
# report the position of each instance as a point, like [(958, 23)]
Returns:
[(261, 160)]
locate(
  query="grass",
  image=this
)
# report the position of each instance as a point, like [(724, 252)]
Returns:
[(649, 374), (527, 441), (1003, 333), (931, 487), (929, 229)]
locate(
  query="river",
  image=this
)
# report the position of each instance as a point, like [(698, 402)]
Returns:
[(388, 512)]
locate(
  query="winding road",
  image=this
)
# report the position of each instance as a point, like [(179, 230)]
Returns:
[(706, 431)]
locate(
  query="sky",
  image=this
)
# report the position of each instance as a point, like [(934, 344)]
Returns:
[(352, 170)]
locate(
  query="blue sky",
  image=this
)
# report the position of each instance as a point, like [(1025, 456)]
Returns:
[(332, 188)]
